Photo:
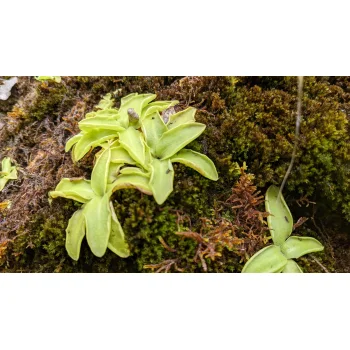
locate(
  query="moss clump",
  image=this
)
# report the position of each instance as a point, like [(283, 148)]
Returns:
[(259, 129)]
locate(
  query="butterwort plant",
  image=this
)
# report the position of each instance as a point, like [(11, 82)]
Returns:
[(280, 256), (139, 142), (8, 172)]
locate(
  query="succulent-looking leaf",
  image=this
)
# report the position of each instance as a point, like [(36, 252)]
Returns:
[(91, 140), (79, 190), (92, 124), (98, 224), (162, 179), (6, 165), (280, 221), (295, 247), (120, 155), (106, 102), (13, 174), (175, 139), (114, 169), (153, 128), (116, 241), (135, 101), (132, 141), (196, 161), (292, 267), (100, 172), (72, 141), (137, 181), (75, 232), (157, 106), (3, 182), (183, 117), (134, 171), (268, 259)]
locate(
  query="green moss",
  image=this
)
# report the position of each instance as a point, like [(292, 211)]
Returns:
[(48, 101)]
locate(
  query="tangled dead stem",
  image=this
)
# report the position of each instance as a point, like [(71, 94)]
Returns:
[(204, 226)]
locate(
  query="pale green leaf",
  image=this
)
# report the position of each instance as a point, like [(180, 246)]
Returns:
[(80, 190), (133, 142), (6, 166), (135, 101), (134, 171), (106, 102), (72, 141), (268, 259), (3, 182), (113, 172), (116, 241), (99, 175), (153, 128), (137, 181), (292, 267), (162, 179), (295, 247), (98, 224), (280, 221), (91, 140), (157, 106), (92, 124), (175, 139), (183, 117), (13, 174), (121, 155), (75, 233), (196, 161)]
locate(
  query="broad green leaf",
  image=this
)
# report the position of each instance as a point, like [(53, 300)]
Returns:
[(91, 140), (6, 165), (99, 175), (153, 128), (108, 113), (113, 171), (116, 241), (135, 101), (268, 259), (196, 161), (75, 233), (106, 102), (175, 139), (98, 224), (79, 190), (134, 171), (137, 181), (295, 247), (92, 124), (292, 267), (72, 141), (185, 116), (3, 182), (121, 155), (13, 174), (280, 221), (162, 179), (132, 141), (157, 106)]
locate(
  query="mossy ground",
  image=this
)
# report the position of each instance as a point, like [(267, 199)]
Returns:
[(249, 119)]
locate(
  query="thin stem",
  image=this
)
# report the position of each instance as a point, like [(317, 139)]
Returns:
[(297, 133)]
